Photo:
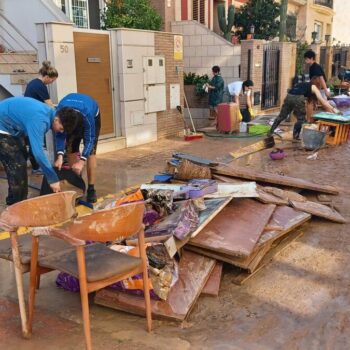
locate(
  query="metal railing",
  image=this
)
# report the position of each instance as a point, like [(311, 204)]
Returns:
[(327, 3)]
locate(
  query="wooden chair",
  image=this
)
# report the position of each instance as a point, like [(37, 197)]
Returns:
[(36, 212), (95, 265)]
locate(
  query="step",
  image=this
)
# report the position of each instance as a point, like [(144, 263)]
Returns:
[(22, 78), (111, 145), (18, 57), (9, 68)]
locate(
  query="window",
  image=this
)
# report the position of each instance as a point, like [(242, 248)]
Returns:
[(79, 13), (318, 30), (198, 10)]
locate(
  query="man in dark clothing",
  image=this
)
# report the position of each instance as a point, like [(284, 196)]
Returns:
[(295, 102), (316, 70)]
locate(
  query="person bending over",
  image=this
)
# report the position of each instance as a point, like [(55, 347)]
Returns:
[(88, 132), (295, 102), (22, 117)]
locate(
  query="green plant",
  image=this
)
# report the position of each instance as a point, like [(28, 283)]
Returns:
[(138, 14), (263, 15), (226, 26), (197, 80), (302, 47)]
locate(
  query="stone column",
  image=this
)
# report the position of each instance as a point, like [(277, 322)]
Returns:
[(56, 44), (254, 49)]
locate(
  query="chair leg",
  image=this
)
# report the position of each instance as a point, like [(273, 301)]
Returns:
[(37, 286), (145, 280), (84, 296), (34, 278), (19, 283)]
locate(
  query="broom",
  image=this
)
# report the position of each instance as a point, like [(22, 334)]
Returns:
[(190, 135)]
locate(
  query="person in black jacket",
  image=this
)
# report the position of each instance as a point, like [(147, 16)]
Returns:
[(295, 102), (316, 70)]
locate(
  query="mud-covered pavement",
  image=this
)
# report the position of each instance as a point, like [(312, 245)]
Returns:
[(301, 300)]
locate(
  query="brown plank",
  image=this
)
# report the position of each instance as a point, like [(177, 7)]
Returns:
[(320, 210), (269, 198), (212, 286), (247, 263), (265, 177), (236, 229), (241, 276), (194, 271), (287, 219), (284, 218)]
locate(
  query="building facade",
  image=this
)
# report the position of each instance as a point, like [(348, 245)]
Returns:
[(313, 19), (341, 28)]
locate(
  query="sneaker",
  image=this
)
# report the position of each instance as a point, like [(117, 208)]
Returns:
[(91, 196), (37, 171)]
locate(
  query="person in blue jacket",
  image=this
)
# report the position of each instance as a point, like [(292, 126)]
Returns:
[(22, 117), (89, 133)]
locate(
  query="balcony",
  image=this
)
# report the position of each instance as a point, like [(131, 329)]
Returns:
[(326, 3)]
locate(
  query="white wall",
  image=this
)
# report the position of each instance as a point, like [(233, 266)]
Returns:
[(341, 28), (24, 14), (129, 44), (203, 49)]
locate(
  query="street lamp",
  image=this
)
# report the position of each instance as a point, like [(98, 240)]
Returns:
[(327, 37), (252, 30), (314, 36)]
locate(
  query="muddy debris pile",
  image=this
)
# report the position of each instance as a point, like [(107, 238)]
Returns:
[(200, 215)]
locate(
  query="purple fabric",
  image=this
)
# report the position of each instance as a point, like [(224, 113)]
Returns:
[(150, 217), (67, 282), (181, 223)]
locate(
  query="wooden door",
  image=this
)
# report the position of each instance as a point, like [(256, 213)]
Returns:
[(93, 69)]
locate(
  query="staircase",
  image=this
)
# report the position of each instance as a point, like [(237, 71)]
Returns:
[(16, 70)]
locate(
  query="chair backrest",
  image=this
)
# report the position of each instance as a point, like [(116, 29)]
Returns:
[(40, 211), (108, 225)]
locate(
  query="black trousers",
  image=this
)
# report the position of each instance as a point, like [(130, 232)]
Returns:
[(13, 156)]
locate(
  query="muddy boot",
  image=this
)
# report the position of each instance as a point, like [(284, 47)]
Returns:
[(91, 196), (296, 130)]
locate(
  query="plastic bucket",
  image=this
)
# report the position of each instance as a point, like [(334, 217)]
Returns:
[(313, 139)]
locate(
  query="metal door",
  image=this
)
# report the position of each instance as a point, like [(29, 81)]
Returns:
[(270, 85)]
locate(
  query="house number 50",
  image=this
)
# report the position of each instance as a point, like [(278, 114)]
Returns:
[(64, 48)]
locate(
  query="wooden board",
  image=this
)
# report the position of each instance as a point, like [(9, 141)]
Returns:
[(241, 276), (269, 198), (287, 219), (248, 263), (236, 229), (212, 286), (320, 210), (265, 177), (194, 271)]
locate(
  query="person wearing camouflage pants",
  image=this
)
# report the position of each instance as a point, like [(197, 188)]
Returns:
[(295, 104)]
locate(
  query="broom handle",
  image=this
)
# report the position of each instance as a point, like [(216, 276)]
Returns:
[(189, 112)]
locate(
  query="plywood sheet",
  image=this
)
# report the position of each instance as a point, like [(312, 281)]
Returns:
[(212, 286), (236, 229), (320, 210), (265, 177), (194, 271), (241, 276), (285, 219), (249, 263)]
